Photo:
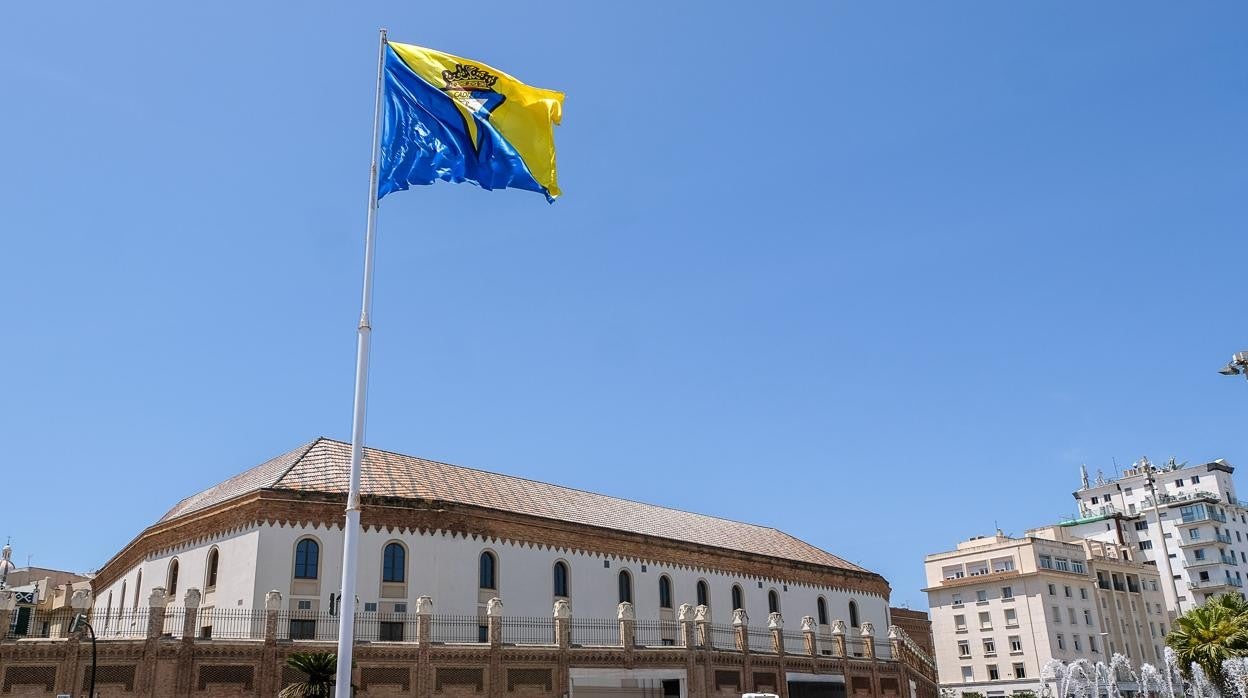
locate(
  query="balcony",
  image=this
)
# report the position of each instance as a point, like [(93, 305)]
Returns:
[(1229, 560), (1206, 562), (1188, 543), (1212, 584), (1223, 537)]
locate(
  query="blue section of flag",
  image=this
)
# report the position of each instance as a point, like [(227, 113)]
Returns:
[(425, 137)]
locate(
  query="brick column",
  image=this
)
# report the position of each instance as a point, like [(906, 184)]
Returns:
[(868, 641), (67, 675), (145, 675), (808, 635), (689, 640), (741, 630), (423, 682), (775, 624), (269, 677), (562, 614), (494, 622), (838, 638), (702, 618), (186, 648)]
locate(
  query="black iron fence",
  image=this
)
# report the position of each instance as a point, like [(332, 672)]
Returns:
[(521, 630), (656, 633), (592, 632), (458, 629), (723, 637)]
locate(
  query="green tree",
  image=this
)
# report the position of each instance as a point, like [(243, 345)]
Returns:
[(319, 667), (1211, 634)]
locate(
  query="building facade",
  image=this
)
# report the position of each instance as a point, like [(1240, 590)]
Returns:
[(1002, 607), (468, 540), (1194, 531)]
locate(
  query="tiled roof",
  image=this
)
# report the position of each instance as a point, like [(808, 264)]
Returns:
[(323, 466)]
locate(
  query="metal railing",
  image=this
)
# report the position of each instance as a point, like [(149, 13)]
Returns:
[(228, 624), (656, 633), (524, 630), (722, 636), (458, 629), (591, 632)]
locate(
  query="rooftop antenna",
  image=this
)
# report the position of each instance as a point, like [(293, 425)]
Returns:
[(1115, 460)]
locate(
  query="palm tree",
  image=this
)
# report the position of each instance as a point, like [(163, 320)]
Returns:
[(1211, 634), (320, 668)]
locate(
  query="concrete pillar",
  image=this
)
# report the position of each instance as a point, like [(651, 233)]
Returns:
[(186, 648), (808, 635), (838, 638), (868, 641), (688, 634), (423, 682), (424, 620), (563, 623), (741, 630), (775, 623), (494, 621), (8, 602), (156, 604), (270, 675), (702, 617)]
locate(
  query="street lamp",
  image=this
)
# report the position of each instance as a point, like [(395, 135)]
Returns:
[(1237, 365), (80, 602)]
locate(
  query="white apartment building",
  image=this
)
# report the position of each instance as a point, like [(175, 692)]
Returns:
[(1195, 532), (1002, 607)]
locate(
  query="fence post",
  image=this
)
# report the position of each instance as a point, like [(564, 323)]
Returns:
[(424, 636), (808, 634), (563, 623), (272, 604), (270, 674), (741, 630), (685, 616), (8, 602), (494, 624), (702, 617), (424, 620), (156, 604), (838, 638), (775, 623), (895, 641), (868, 640), (628, 631), (186, 648)]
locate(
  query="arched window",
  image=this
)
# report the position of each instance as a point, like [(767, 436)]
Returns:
[(138, 584), (394, 563), (171, 580), (665, 592), (307, 559), (738, 597), (561, 579), (123, 596), (773, 601), (211, 581), (626, 587), (704, 596), (853, 614), (822, 607), (487, 571)]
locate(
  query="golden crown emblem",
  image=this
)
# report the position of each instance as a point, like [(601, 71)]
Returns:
[(468, 77)]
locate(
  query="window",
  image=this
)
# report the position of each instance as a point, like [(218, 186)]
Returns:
[(665, 592), (1061, 563), (1057, 614), (1016, 643), (981, 596), (1007, 592), (370, 606), (959, 623), (1020, 672), (1178, 483), (773, 601), (1083, 593), (1092, 644), (704, 596), (957, 600), (561, 581), (1195, 479), (853, 614), (1052, 590), (985, 621), (1199, 553), (968, 674), (993, 673), (307, 559), (487, 571), (990, 646), (1078, 646), (1146, 545), (1077, 566), (738, 597), (138, 584), (1011, 618), (123, 597), (1070, 612), (394, 563), (822, 607), (1141, 525), (1127, 491), (1061, 642), (211, 577), (1087, 617), (964, 648), (626, 586), (1066, 590), (171, 583), (1046, 562)]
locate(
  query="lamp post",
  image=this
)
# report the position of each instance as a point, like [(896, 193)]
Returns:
[(1237, 365), (80, 602)]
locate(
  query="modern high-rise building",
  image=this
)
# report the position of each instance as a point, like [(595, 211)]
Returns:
[(1194, 530), (1002, 607)]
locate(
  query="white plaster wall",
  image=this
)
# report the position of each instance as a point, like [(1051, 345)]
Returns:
[(235, 573), (445, 567)]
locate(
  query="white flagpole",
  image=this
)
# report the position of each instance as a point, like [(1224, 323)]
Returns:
[(351, 529)]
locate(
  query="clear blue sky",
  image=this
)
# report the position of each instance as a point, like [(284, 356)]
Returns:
[(876, 273)]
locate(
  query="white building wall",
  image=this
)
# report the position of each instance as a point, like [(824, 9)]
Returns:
[(445, 567)]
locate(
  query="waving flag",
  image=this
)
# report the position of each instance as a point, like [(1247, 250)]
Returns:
[(459, 120)]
